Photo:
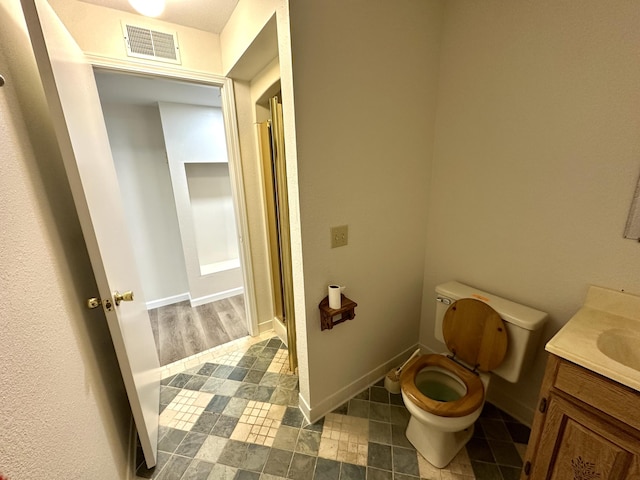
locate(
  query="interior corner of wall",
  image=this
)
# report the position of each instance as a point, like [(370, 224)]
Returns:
[(511, 404)]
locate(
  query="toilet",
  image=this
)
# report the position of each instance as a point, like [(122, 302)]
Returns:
[(485, 335)]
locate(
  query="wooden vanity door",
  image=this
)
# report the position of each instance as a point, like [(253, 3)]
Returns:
[(579, 445)]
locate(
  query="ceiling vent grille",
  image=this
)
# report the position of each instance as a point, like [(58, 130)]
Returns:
[(151, 44)]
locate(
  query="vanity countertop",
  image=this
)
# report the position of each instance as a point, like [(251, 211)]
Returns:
[(604, 336)]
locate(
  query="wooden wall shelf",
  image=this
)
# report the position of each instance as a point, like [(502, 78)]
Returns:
[(328, 315)]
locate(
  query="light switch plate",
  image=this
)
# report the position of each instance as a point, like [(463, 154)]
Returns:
[(339, 236)]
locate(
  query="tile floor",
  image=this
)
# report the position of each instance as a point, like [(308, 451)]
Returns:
[(233, 414)]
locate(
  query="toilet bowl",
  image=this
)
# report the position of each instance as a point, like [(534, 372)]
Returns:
[(444, 400), (445, 393), (438, 385)]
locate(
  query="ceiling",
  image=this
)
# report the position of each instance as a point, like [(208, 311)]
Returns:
[(116, 87), (207, 15)]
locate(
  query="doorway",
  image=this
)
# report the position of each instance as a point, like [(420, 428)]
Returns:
[(168, 142), (181, 331), (272, 155)]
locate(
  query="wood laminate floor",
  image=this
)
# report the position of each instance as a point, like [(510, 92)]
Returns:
[(181, 330)]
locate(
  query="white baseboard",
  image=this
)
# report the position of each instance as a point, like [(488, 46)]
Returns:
[(265, 326), (163, 302), (281, 330), (195, 302), (305, 409), (347, 393)]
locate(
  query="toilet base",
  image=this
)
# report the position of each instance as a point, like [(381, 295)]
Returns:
[(436, 446)]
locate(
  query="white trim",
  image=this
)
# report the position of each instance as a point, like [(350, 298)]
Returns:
[(142, 67), (347, 393), (217, 267), (304, 408), (235, 172), (233, 147), (281, 330), (265, 326), (163, 302), (196, 302)]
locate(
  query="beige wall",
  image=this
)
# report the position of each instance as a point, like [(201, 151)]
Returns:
[(63, 409), (364, 87), (246, 22), (535, 160), (98, 31)]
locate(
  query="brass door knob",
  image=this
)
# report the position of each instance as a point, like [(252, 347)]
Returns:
[(123, 297)]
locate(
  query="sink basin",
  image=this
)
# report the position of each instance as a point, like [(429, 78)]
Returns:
[(622, 346), (604, 336)]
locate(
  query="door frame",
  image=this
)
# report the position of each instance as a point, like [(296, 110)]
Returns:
[(233, 150)]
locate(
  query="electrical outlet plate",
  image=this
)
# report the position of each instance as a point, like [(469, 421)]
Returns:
[(339, 236)]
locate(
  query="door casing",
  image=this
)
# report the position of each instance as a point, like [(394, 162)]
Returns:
[(233, 148)]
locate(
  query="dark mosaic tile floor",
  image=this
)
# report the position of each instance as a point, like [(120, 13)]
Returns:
[(237, 418)]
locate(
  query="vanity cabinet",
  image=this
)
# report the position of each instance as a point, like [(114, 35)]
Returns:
[(586, 427)]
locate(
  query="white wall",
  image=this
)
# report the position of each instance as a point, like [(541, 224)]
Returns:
[(364, 107), (212, 209), (535, 159), (137, 146), (63, 409), (194, 133)]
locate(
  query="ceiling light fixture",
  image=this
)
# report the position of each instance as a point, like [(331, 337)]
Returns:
[(148, 8)]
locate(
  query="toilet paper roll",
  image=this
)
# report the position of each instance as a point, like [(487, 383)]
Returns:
[(335, 293)]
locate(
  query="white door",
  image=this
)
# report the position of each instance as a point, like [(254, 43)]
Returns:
[(75, 107)]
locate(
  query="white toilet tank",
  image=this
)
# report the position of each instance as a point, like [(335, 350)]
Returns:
[(524, 325)]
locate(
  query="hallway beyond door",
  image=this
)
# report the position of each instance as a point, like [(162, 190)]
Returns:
[(181, 331)]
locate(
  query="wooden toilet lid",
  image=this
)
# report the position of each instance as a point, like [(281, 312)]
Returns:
[(475, 333)]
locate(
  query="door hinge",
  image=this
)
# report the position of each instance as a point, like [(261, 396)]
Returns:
[(543, 405)]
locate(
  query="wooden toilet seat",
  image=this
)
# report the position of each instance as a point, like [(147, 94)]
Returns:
[(475, 334), (466, 405)]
